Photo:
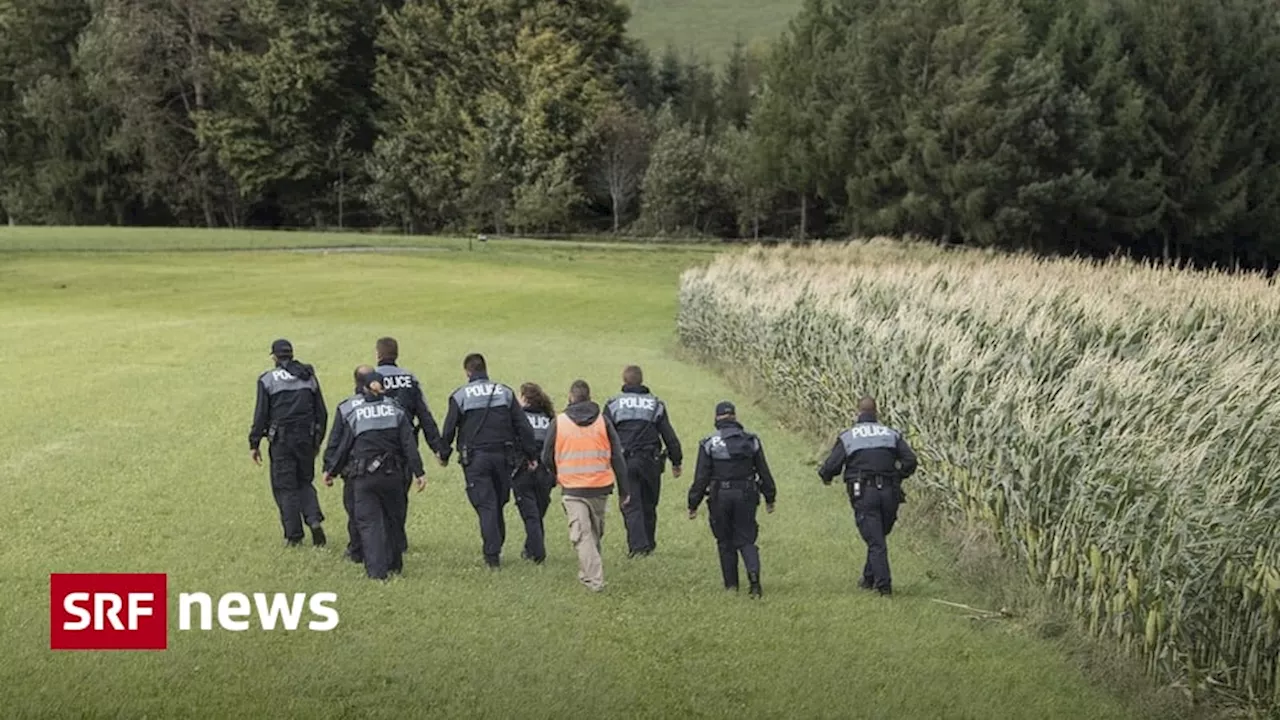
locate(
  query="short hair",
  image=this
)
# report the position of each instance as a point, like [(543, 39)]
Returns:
[(387, 348), (867, 405), (474, 364), (633, 375), (579, 391), (361, 372)]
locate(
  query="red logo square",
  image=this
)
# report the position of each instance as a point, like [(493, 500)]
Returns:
[(108, 611)]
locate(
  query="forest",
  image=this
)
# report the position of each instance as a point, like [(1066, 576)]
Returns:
[(1087, 127)]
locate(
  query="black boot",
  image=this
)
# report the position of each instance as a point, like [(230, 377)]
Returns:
[(492, 561), (755, 585), (317, 536)]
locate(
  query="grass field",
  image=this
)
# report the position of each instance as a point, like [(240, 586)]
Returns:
[(129, 383), (708, 28)]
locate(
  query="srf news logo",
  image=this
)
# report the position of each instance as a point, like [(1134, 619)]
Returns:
[(130, 611)]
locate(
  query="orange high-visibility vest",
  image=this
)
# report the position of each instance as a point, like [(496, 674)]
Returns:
[(583, 453)]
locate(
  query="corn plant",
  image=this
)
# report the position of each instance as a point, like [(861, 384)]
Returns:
[(1116, 425)]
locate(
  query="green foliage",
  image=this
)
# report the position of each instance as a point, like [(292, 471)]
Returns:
[(1032, 125), (503, 97), (1125, 126), (678, 183), (288, 120)]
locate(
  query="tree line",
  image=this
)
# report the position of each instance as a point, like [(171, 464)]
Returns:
[(1083, 126)]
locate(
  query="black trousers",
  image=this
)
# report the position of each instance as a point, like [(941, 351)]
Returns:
[(644, 471), (875, 513), (733, 523), (532, 490), (293, 474), (488, 477), (353, 528), (379, 497)]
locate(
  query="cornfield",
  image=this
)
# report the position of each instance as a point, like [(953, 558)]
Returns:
[(1117, 426)]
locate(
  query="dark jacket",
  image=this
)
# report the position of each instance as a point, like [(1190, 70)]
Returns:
[(540, 423), (376, 427), (290, 400), (642, 422), (583, 414), (341, 426), (403, 386), (869, 449), (484, 415), (731, 455)]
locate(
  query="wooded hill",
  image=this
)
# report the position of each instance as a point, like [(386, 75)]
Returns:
[(1089, 126)]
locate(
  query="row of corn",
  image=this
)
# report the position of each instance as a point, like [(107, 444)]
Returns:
[(1116, 425)]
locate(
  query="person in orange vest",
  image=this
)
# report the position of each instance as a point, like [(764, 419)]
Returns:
[(583, 453)]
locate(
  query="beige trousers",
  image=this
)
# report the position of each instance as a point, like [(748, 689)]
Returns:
[(586, 528)]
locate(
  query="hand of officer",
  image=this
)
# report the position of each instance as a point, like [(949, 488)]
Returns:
[(328, 479), (442, 461), (421, 480), (769, 508), (675, 471), (693, 514), (533, 464), (256, 454)]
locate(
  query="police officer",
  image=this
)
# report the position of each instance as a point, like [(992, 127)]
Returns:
[(875, 459), (532, 487), (493, 437), (733, 471), (290, 412), (341, 425), (403, 387), (381, 446), (642, 423)]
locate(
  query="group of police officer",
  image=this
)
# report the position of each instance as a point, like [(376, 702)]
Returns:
[(507, 444)]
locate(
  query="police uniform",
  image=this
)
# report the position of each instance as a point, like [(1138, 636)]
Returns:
[(403, 387), (341, 425), (378, 448), (290, 412), (644, 427), (493, 436), (532, 490), (874, 459), (733, 472)]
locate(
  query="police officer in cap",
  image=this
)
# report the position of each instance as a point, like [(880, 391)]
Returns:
[(342, 425), (403, 387), (494, 438), (733, 471), (642, 423), (381, 446), (875, 459), (290, 412)]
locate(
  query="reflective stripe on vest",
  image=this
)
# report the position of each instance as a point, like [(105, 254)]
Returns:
[(583, 454), (865, 436)]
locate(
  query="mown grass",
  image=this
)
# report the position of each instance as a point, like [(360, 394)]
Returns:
[(128, 381), (708, 28)]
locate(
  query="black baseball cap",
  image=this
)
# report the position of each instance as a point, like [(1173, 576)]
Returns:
[(282, 348), (725, 408)]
